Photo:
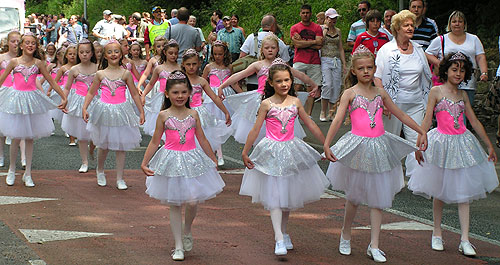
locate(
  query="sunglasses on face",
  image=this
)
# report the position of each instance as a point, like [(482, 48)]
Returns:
[(362, 9)]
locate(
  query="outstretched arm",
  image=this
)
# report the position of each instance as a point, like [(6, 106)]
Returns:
[(135, 95), (153, 144), (307, 80), (53, 84), (309, 123), (202, 140), (336, 123), (217, 100), (90, 95)]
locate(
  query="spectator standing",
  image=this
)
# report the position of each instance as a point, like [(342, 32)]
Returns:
[(157, 27), (321, 19), (373, 39), (233, 36), (386, 28), (137, 33), (105, 28), (73, 30), (217, 20), (235, 19), (53, 29), (120, 28), (307, 37), (359, 26), (174, 20), (425, 29), (186, 36), (85, 27)]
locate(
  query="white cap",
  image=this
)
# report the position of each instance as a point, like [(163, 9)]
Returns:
[(331, 13)]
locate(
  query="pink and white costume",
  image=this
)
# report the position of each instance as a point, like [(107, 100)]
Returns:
[(153, 106), (9, 82), (369, 167), (215, 130), (24, 108), (113, 124), (216, 77), (246, 105), (286, 173), (72, 122), (183, 172), (456, 168)]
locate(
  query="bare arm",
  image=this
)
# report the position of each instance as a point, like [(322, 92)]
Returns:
[(135, 95), (309, 123), (152, 82), (216, 100), (90, 95), (432, 59), (483, 65), (53, 84), (307, 80), (153, 144), (206, 71), (146, 73), (202, 140), (336, 123), (254, 133)]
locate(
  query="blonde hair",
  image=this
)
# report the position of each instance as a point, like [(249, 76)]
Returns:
[(351, 79), (456, 14), (158, 38), (399, 19), (269, 37), (5, 42)]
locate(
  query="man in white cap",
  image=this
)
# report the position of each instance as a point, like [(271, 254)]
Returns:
[(104, 30)]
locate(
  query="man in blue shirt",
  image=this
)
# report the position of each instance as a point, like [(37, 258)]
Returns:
[(74, 31), (233, 36)]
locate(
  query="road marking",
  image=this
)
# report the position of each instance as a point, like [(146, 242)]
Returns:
[(407, 225), (5, 173), (42, 236), (328, 195), (37, 262), (232, 171), (237, 161), (5, 200)]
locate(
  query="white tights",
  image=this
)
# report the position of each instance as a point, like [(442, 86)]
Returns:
[(375, 221), (120, 162), (279, 218), (26, 147), (176, 222)]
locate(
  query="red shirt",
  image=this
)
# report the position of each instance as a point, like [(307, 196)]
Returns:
[(372, 43), (306, 55)]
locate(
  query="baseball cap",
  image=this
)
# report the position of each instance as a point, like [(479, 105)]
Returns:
[(156, 8), (107, 12), (331, 13), (226, 18)]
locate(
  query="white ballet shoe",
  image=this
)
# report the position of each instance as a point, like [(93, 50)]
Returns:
[(2, 161), (10, 179), (178, 254), (288, 241), (280, 248), (467, 248), (84, 168), (28, 182), (121, 185), (437, 243), (376, 254), (187, 242), (101, 179), (344, 246)]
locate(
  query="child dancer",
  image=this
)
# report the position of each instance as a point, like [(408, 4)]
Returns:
[(180, 173), (80, 78), (50, 52), (137, 58), (455, 168), (282, 171), (368, 167), (216, 131), (247, 104), (113, 124), (53, 68), (98, 49), (130, 66), (168, 64), (153, 62), (24, 108)]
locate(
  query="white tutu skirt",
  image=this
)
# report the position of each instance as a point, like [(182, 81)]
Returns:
[(114, 126), (25, 114), (286, 175), (369, 169), (152, 109), (72, 122), (216, 131), (245, 106), (456, 169), (56, 114), (183, 177), (228, 91)]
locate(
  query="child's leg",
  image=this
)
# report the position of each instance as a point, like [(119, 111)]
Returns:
[(83, 146), (350, 213), (101, 158), (13, 154), (376, 223), (190, 214), (276, 218), (218, 152), (2, 141), (91, 150), (72, 140), (463, 215), (120, 164), (29, 156), (284, 221), (437, 211), (176, 225), (22, 147)]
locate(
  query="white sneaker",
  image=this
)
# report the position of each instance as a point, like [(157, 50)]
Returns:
[(376, 254), (101, 179), (322, 117), (2, 161), (121, 185), (84, 168), (288, 241), (8, 141), (344, 246), (67, 135), (467, 248), (280, 248), (28, 182), (72, 144), (23, 163), (437, 243), (178, 254), (11, 177), (187, 242), (220, 161)]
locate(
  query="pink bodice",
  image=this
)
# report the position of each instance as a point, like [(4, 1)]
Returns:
[(127, 66), (217, 76), (113, 91), (162, 78), (179, 134), (196, 96), (140, 69), (82, 83), (280, 122), (262, 77), (9, 82), (449, 116), (366, 116), (25, 77), (64, 79), (53, 73)]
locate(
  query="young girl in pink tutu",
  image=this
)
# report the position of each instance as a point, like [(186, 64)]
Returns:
[(282, 172), (70, 57), (180, 173), (455, 168), (112, 122), (24, 109), (160, 42), (80, 79), (137, 58), (168, 64), (366, 162)]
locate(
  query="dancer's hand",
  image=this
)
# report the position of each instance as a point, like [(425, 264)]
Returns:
[(492, 155), (422, 142), (419, 157), (147, 170), (329, 155), (246, 160), (63, 104), (228, 119), (220, 92), (142, 119), (85, 115)]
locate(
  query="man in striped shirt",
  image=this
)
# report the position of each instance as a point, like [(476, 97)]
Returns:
[(359, 26), (425, 30)]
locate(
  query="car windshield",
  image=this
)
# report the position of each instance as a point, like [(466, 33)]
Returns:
[(9, 19)]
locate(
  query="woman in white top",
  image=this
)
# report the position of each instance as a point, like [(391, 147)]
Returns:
[(458, 40), (403, 71)]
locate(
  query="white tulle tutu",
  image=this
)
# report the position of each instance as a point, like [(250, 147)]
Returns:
[(25, 114), (72, 122), (245, 106), (286, 175), (56, 114), (216, 131), (183, 177), (152, 109), (369, 169), (456, 169), (114, 126), (210, 105)]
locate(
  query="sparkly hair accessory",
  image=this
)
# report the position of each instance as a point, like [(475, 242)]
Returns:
[(361, 49), (84, 41), (113, 41), (219, 42), (279, 61), (50, 44), (29, 33), (177, 75), (190, 51), (172, 42), (458, 57), (135, 43)]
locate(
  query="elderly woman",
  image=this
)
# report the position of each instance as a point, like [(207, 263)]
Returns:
[(458, 40), (403, 71)]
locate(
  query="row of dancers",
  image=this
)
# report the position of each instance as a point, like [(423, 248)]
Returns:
[(282, 171)]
